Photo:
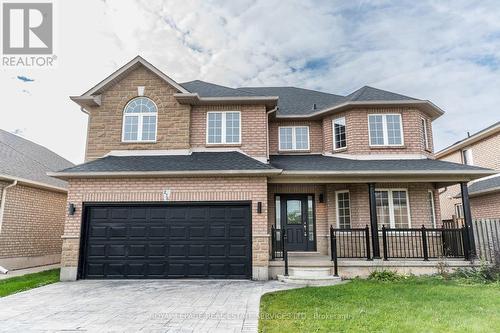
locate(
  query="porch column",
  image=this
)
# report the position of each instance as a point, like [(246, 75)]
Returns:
[(468, 218), (373, 221)]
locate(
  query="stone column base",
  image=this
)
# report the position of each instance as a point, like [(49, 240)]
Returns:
[(68, 273), (260, 273)]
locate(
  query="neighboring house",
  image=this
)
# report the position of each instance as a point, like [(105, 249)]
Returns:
[(480, 149), (188, 180), (32, 204)]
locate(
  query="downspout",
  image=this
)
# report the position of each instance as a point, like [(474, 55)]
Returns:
[(2, 208)]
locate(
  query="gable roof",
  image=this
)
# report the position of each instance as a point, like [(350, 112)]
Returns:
[(27, 161), (490, 130), (368, 93), (485, 185)]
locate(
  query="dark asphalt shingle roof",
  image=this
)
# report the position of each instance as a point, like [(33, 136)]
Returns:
[(206, 161), (292, 100), (22, 158), (485, 185), (328, 163)]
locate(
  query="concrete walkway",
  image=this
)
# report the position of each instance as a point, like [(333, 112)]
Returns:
[(21, 272), (131, 306)]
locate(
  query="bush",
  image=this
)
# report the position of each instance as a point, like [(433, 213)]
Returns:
[(486, 273), (386, 275)]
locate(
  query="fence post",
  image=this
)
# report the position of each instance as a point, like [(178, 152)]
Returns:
[(424, 244), (285, 252), (384, 241), (465, 242), (367, 242), (333, 239)]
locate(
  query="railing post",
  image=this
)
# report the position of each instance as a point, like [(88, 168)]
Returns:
[(468, 220), (333, 240), (273, 242), (384, 241), (465, 243), (424, 244), (373, 220), (367, 240), (285, 252)]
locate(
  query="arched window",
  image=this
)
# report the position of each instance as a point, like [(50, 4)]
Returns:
[(140, 120)]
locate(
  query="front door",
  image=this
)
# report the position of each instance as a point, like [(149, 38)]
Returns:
[(299, 222)]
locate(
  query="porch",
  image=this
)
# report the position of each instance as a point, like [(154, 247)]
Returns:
[(352, 229)]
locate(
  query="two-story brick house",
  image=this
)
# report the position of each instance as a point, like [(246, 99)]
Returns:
[(479, 149), (193, 179)]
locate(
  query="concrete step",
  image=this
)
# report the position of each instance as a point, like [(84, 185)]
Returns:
[(304, 254), (311, 281), (310, 272)]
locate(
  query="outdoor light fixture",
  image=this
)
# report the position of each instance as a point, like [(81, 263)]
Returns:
[(71, 209), (259, 207), (321, 198)]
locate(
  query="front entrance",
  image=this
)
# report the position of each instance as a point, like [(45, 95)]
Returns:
[(298, 219)]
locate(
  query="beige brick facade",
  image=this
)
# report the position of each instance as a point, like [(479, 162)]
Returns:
[(252, 189), (105, 121), (315, 135), (32, 226)]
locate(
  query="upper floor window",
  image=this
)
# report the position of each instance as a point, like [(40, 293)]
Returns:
[(294, 138), (467, 157), (392, 208), (339, 133), (140, 120), (425, 134), (223, 127), (385, 130)]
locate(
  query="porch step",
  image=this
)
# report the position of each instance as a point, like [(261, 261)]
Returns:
[(316, 260), (310, 272), (311, 281), (303, 254)]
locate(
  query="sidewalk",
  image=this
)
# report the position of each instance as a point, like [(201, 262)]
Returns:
[(20, 272)]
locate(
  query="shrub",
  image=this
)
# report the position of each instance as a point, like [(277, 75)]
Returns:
[(486, 273), (386, 275)]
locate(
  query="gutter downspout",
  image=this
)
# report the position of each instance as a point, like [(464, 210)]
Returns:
[(2, 208)]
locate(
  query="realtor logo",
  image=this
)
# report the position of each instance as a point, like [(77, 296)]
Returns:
[(27, 28)]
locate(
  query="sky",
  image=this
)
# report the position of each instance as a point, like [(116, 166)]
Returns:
[(447, 52)]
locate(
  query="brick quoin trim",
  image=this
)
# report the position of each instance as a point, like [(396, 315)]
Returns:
[(252, 189)]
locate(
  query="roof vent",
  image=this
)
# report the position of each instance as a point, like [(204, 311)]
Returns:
[(314, 106), (468, 134)]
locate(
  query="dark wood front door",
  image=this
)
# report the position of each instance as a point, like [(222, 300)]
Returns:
[(299, 222)]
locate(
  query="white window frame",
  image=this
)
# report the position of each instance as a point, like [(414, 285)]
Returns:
[(425, 133), (294, 138), (465, 152), (334, 135), (385, 131), (391, 204), (337, 207), (140, 116), (223, 129), (433, 208), (459, 210)]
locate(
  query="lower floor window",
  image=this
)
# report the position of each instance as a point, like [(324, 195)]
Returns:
[(392, 208), (343, 210), (459, 211)]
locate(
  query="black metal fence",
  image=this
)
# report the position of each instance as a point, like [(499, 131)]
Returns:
[(277, 242), (352, 242)]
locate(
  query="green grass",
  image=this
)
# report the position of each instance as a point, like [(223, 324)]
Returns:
[(29, 281), (426, 304)]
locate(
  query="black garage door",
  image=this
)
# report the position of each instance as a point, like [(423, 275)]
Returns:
[(167, 241)]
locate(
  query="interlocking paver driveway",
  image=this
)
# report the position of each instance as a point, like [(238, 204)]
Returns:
[(131, 306)]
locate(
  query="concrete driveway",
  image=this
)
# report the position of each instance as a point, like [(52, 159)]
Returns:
[(131, 306)]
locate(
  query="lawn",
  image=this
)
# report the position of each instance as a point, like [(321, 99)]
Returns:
[(411, 305), (29, 281)]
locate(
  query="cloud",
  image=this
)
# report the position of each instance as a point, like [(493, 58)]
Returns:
[(447, 52)]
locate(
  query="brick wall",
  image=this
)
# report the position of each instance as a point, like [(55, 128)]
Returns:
[(105, 124), (358, 138), (32, 223), (315, 134), (183, 189), (486, 206), (253, 127)]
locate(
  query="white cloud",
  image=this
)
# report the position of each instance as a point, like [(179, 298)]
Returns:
[(446, 51)]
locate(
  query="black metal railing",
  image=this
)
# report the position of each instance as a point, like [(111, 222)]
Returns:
[(424, 243), (278, 246), (352, 242)]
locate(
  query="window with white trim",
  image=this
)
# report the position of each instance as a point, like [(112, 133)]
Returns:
[(294, 138), (140, 120), (385, 130), (432, 208), (223, 127), (392, 208), (467, 157), (343, 209), (425, 134), (459, 211), (339, 133)]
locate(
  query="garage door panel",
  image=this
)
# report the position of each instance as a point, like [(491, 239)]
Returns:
[(175, 241)]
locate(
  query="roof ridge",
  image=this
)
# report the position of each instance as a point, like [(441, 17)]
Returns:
[(294, 87)]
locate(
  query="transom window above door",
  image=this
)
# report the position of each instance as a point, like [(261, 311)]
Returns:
[(223, 127), (294, 138), (385, 130), (140, 120)]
